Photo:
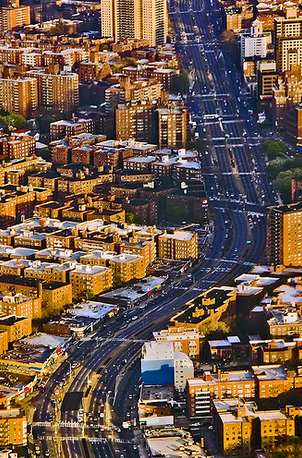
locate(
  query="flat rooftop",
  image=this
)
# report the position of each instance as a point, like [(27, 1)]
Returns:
[(92, 309), (157, 393)]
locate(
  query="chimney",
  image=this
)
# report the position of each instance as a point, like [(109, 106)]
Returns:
[(219, 374)]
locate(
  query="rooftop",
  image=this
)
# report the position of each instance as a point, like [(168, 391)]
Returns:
[(92, 309), (156, 392), (179, 235)]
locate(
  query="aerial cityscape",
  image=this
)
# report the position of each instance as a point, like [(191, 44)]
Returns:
[(150, 229)]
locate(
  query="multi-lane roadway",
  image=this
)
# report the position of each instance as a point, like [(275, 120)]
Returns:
[(238, 191)]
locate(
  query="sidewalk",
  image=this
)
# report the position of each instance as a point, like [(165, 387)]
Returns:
[(139, 441)]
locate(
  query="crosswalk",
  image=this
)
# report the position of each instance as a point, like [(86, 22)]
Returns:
[(93, 440)]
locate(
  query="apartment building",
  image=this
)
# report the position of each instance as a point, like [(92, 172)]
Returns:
[(136, 120), (17, 145), (127, 267), (187, 341), (3, 341), (13, 427), (240, 427), (172, 127), (19, 305), (154, 21), (14, 16), (162, 365), (284, 243), (233, 18), (233, 426), (287, 39), (218, 385), (284, 322), (178, 245), (16, 206), (143, 248), (57, 91), (211, 306), (56, 296), (254, 43), (90, 280), (61, 239), (138, 19), (63, 128), (50, 271), (16, 327), (19, 95), (30, 164)]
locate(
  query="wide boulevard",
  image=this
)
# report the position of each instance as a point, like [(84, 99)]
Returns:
[(105, 366)]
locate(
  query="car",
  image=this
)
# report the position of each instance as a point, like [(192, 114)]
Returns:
[(46, 453)]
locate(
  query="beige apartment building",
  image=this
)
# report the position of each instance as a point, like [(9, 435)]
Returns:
[(13, 427), (288, 39), (58, 91), (138, 19), (11, 17), (178, 245), (172, 127), (19, 95), (90, 280)]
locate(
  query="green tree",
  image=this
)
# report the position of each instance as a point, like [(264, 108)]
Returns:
[(273, 149), (283, 183), (130, 217), (176, 213), (228, 36), (14, 120), (215, 326), (90, 295), (291, 449), (117, 279), (181, 82), (58, 29)]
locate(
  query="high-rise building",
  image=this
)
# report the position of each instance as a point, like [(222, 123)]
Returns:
[(154, 21), (19, 95), (14, 16), (138, 19), (136, 120), (162, 365), (127, 19), (172, 127), (284, 239), (107, 29), (288, 40), (254, 43)]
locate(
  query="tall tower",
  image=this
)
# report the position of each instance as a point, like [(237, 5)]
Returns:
[(154, 21), (127, 19), (107, 19), (136, 19)]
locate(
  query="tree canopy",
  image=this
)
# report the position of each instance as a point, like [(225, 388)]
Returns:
[(14, 120), (181, 82), (273, 149)]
